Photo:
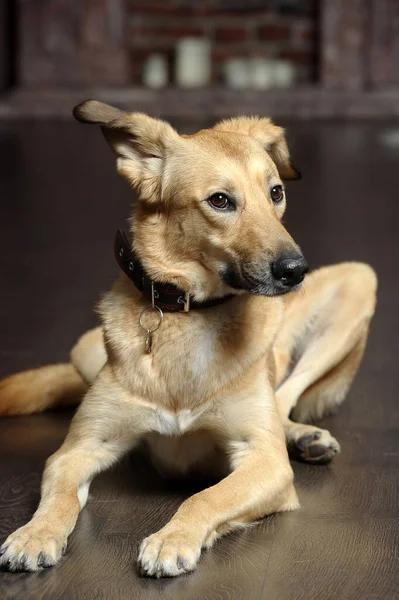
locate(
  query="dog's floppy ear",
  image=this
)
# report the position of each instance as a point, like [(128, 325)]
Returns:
[(140, 142), (271, 137)]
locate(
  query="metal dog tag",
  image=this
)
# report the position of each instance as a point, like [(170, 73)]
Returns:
[(149, 331), (148, 342)]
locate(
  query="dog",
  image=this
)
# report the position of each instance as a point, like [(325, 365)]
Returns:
[(208, 352)]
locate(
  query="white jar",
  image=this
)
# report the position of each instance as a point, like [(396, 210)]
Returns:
[(284, 74), (261, 73), (236, 73), (155, 71), (193, 62)]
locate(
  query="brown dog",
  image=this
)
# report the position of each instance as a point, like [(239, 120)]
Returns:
[(215, 382)]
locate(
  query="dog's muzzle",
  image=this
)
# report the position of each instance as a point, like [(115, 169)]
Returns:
[(280, 276)]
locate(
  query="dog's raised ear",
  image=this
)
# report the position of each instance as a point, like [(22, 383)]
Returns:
[(140, 142), (95, 112), (271, 137)]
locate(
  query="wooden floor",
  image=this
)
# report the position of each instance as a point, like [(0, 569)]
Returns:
[(60, 203)]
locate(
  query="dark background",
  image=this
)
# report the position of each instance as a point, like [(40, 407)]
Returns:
[(344, 54)]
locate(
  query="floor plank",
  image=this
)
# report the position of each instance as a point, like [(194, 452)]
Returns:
[(60, 205)]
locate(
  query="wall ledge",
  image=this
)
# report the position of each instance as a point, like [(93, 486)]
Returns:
[(302, 103)]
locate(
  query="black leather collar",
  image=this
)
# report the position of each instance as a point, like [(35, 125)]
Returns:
[(166, 296)]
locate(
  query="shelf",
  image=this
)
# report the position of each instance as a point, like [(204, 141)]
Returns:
[(213, 102)]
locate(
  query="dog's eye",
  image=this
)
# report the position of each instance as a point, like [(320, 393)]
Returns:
[(220, 201), (277, 193)]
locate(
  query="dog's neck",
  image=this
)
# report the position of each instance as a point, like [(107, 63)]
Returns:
[(165, 296)]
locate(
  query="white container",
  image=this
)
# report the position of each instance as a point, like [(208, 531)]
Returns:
[(284, 74), (193, 62), (236, 73), (261, 73), (155, 71)]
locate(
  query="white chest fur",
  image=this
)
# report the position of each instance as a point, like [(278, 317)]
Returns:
[(176, 424)]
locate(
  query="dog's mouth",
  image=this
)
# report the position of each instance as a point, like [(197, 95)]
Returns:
[(262, 284)]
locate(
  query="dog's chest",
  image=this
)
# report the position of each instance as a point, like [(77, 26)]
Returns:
[(178, 370), (175, 424)]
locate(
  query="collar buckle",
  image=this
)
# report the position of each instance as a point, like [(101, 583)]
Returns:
[(185, 300), (154, 295)]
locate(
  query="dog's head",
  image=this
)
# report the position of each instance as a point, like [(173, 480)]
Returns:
[(209, 208)]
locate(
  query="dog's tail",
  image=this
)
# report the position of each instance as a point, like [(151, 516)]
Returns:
[(36, 390)]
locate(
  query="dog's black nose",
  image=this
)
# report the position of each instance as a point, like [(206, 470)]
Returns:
[(290, 269)]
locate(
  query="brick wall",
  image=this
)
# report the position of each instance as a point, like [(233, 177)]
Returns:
[(286, 29), (58, 48), (70, 43)]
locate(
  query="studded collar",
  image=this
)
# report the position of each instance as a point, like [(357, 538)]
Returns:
[(165, 296)]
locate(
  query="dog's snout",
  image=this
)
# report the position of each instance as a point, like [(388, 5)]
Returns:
[(290, 269)]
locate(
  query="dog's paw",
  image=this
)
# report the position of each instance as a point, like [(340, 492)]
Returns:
[(311, 444), (168, 553), (32, 547)]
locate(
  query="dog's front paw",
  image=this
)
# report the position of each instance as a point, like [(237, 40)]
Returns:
[(32, 547), (168, 553)]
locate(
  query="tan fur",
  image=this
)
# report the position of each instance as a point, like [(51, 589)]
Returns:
[(205, 398), (38, 389)]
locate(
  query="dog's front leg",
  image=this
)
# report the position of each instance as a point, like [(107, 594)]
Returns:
[(107, 424), (261, 483)]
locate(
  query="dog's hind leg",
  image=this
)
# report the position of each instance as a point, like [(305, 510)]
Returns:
[(88, 356), (325, 335), (327, 393), (59, 385)]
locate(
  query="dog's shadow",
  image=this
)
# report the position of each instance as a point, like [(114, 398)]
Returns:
[(126, 504), (135, 475)]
